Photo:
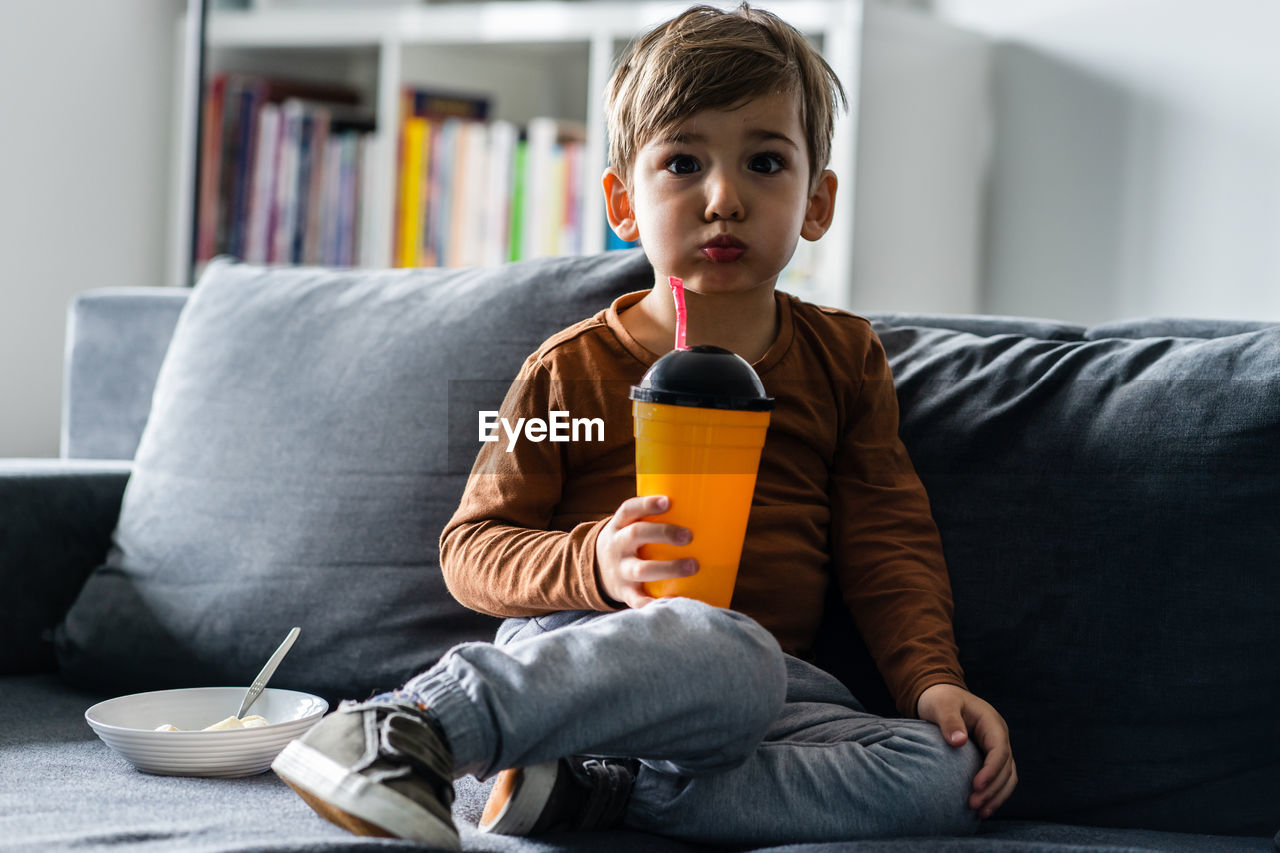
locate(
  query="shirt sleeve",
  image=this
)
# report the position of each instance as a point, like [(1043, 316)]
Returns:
[(887, 552), (497, 553)]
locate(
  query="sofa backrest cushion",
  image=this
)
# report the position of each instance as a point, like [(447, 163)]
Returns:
[(116, 341), (1110, 512), (296, 469)]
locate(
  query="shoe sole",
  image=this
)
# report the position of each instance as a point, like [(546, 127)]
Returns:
[(526, 803), (356, 804)]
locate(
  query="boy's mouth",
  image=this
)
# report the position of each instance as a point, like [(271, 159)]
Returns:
[(723, 249)]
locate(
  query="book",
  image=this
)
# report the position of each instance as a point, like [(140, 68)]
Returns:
[(266, 164), (571, 222), (429, 103), (515, 229), (229, 152), (496, 226), (242, 167), (285, 211), (444, 155), (349, 210), (470, 195), (316, 197), (454, 231), (413, 147), (302, 188), (326, 247), (210, 163)]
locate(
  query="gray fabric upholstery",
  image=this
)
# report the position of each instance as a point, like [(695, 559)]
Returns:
[(1109, 513), (986, 325), (1174, 327), (295, 470), (56, 518), (116, 340), (63, 788)]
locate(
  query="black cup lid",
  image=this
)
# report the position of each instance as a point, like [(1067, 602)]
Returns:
[(707, 377)]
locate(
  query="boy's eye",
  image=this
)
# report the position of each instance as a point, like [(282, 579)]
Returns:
[(682, 164), (766, 163)]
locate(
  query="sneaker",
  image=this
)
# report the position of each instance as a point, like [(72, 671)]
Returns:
[(379, 768), (570, 794)]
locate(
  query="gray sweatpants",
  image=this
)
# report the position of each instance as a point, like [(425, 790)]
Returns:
[(739, 742)]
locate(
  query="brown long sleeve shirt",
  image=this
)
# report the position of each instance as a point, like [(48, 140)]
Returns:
[(836, 495)]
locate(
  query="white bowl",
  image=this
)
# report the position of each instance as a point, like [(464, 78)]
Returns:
[(127, 724)]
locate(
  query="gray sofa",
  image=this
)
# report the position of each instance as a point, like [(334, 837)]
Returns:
[(281, 447)]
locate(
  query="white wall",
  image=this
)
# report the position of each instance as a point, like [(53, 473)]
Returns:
[(924, 138), (1137, 157), (86, 100)]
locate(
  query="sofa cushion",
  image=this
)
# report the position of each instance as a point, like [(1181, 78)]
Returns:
[(296, 469), (116, 341), (987, 325), (1109, 514), (1174, 327), (58, 517)]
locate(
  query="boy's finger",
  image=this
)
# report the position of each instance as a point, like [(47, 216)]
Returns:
[(997, 800), (643, 571), (954, 731), (633, 509), (987, 774), (647, 532), (997, 763)]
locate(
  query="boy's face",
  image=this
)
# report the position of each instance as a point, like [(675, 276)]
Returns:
[(721, 200)]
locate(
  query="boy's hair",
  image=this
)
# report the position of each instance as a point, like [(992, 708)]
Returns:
[(706, 58)]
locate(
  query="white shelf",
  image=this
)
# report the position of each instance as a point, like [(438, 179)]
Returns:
[(497, 22), (539, 57)]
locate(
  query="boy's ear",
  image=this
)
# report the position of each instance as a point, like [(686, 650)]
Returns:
[(617, 204), (821, 207)]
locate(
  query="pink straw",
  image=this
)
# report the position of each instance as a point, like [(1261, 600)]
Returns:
[(682, 317)]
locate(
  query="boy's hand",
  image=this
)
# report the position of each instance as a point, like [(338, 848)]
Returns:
[(622, 572), (958, 712)]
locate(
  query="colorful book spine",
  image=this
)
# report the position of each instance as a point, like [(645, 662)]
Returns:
[(496, 222), (229, 153), (242, 167), (317, 191), (210, 164), (409, 228), (302, 191), (266, 163), (519, 169), (347, 215), (287, 184)]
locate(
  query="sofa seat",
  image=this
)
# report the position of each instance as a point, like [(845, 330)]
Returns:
[(50, 760)]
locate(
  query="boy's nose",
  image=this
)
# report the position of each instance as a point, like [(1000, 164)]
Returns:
[(723, 199)]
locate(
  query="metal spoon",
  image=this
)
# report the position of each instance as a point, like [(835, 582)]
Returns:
[(259, 683)]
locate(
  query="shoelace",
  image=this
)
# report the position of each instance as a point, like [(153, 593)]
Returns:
[(408, 737), (610, 789)]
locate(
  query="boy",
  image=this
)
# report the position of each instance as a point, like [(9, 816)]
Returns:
[(598, 705)]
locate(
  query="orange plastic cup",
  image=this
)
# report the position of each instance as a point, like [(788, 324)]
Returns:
[(704, 459)]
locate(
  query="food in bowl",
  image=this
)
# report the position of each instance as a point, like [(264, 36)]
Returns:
[(252, 721)]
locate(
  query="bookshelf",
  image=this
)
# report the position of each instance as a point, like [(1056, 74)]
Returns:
[(531, 58)]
